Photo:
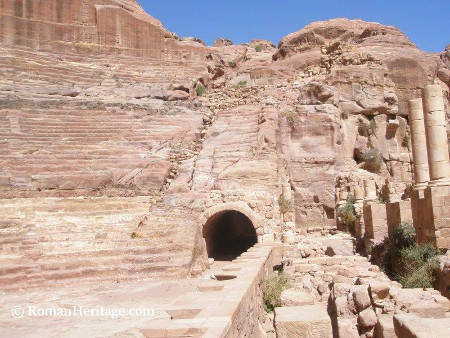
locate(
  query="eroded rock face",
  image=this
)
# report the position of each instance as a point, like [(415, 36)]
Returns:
[(355, 42), (89, 27)]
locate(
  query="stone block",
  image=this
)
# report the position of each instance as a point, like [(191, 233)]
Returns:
[(309, 321), (367, 318), (361, 297), (428, 309), (268, 238), (379, 290), (337, 247), (306, 268), (295, 297), (348, 327), (385, 327), (411, 326), (443, 301)]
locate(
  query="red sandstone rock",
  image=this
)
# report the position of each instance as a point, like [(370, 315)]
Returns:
[(95, 108), (89, 27)]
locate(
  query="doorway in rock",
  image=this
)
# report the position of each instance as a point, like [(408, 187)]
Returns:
[(228, 234)]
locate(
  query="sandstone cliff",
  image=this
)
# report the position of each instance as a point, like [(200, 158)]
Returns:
[(108, 113), (89, 26)]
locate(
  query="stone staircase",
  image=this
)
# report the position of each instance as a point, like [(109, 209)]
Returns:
[(58, 240), (82, 158), (75, 149)]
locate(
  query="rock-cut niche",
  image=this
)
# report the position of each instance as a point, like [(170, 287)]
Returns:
[(228, 234)]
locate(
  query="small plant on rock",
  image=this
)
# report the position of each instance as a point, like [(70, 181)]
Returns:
[(290, 117), (405, 140), (363, 128), (367, 129), (285, 204), (373, 127), (241, 85), (136, 234), (273, 285), (344, 115), (346, 213), (258, 48), (200, 89), (373, 160)]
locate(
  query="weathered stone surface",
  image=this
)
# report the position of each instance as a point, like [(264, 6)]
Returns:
[(428, 309), (367, 318), (337, 247), (361, 297), (379, 289), (409, 325), (295, 297), (348, 328), (302, 321), (385, 327), (89, 27)]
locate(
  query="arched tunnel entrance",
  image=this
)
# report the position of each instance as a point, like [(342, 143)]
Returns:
[(228, 234)]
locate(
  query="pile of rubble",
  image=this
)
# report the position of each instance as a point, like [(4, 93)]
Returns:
[(326, 276)]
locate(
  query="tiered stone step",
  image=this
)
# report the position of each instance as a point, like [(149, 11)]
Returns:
[(30, 68), (66, 123), (72, 149), (55, 239)]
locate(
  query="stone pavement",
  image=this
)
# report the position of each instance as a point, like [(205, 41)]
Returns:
[(188, 307)]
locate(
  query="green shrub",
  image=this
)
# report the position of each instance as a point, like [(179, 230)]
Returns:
[(346, 213), (290, 117), (373, 160), (403, 236), (418, 266), (412, 264), (363, 128), (273, 285), (373, 127), (136, 234), (285, 204), (405, 140), (200, 89), (258, 48), (241, 85), (367, 128), (344, 115)]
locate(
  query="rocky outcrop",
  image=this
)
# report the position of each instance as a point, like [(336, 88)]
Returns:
[(358, 32), (355, 42)]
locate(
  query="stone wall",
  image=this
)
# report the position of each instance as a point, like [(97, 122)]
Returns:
[(396, 213), (375, 221), (433, 217), (246, 319)]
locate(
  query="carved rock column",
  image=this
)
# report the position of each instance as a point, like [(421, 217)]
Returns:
[(370, 190), (436, 133), (419, 144)]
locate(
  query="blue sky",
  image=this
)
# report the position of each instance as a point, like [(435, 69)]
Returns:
[(426, 22)]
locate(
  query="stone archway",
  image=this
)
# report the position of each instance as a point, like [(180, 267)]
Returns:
[(229, 230)]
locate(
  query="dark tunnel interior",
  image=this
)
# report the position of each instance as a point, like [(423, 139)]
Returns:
[(228, 234)]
